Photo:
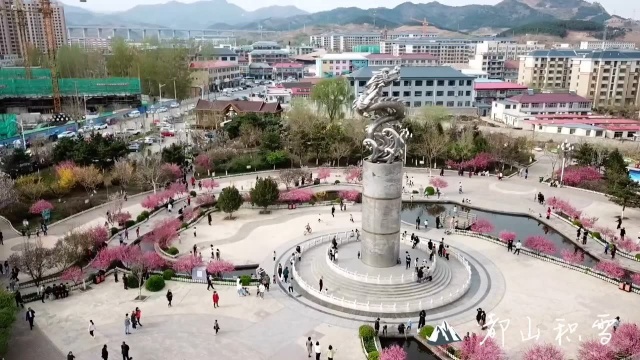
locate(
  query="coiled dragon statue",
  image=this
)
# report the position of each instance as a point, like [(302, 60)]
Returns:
[(385, 135)]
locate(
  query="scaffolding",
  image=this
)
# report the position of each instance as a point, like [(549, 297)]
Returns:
[(42, 88)]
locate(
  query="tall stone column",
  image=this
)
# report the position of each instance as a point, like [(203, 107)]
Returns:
[(381, 205)]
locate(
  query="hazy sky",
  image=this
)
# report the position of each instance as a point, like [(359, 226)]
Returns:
[(620, 7)]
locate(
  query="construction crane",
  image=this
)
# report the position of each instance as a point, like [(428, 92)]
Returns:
[(425, 24), (52, 47), (18, 13)]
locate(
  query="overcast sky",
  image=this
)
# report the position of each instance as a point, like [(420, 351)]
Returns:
[(624, 8)]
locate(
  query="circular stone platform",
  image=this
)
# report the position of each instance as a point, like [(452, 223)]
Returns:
[(350, 294)]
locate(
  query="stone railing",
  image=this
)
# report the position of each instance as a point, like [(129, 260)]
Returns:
[(400, 307), (375, 279), (552, 259)]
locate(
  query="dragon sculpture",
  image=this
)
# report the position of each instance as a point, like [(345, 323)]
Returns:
[(385, 135)]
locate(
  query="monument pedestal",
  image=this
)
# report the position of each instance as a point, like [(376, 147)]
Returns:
[(381, 205)]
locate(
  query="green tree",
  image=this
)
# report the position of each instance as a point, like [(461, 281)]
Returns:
[(174, 154), (13, 163), (265, 193), (75, 62), (271, 141), (7, 317), (275, 158), (230, 200), (332, 96), (122, 59), (621, 189), (433, 141), (584, 155), (96, 150)]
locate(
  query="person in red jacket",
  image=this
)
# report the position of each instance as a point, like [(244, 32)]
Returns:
[(216, 298), (138, 315)]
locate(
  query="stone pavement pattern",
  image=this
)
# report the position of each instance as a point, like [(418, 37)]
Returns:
[(276, 327)]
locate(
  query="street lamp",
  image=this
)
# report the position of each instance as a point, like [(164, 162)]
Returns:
[(565, 147), (160, 86), (24, 141), (409, 136)]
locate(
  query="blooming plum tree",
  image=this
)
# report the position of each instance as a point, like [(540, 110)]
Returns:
[(171, 171), (540, 244), (205, 199), (507, 236), (353, 174), (588, 222), (107, 256), (572, 256), (74, 274), (610, 268), (577, 175), (349, 195), (204, 162), (475, 348), (210, 184), (121, 217), (543, 351), (139, 262), (39, 206), (164, 233), (635, 278), (296, 196), (393, 352), (482, 226), (219, 267), (595, 350), (438, 182), (187, 263), (324, 173), (98, 234), (625, 341)]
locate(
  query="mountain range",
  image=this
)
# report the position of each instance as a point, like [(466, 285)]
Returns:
[(220, 14)]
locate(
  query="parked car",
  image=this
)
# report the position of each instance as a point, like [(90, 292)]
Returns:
[(167, 132), (67, 134), (163, 124), (150, 140), (162, 109), (86, 128), (135, 146), (174, 105), (132, 131), (100, 127), (134, 114)]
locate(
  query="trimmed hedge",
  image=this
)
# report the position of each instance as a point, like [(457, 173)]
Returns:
[(374, 355), (430, 190), (192, 193), (638, 257), (168, 274), (596, 235), (426, 331), (132, 282), (245, 280), (129, 223), (172, 251), (7, 317), (114, 230), (155, 283), (366, 332), (576, 223)]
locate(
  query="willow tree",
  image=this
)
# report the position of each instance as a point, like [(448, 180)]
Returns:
[(332, 96)]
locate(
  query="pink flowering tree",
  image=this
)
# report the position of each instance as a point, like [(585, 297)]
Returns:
[(74, 274), (39, 206), (190, 214), (540, 245), (186, 264), (626, 341), (296, 196), (480, 162), (635, 278), (543, 351), (204, 162), (353, 174), (562, 206), (210, 184), (572, 256), (171, 171), (349, 195), (482, 226), (107, 256), (206, 199), (152, 201), (164, 233), (627, 244), (393, 352), (324, 173), (475, 349), (139, 262), (177, 189), (595, 350), (438, 182), (220, 267), (507, 236), (577, 175), (611, 268), (99, 235), (588, 222), (121, 217)]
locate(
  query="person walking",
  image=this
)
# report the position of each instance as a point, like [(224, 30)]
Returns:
[(124, 281), (376, 325), (623, 232), (209, 219), (194, 235), (422, 321), (510, 246), (616, 323), (216, 327), (261, 290), (619, 223), (218, 254), (138, 315), (115, 274), (169, 297), (70, 356), (320, 283), (127, 323), (330, 352), (31, 316), (216, 298), (134, 322), (309, 345), (105, 353), (285, 274), (92, 329), (124, 349), (426, 223), (1, 238), (418, 223), (518, 247), (407, 261), (318, 350), (614, 248), (333, 211)]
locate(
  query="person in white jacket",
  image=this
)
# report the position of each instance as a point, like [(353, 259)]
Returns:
[(92, 329)]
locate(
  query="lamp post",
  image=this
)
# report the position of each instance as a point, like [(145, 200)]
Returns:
[(409, 136), (160, 86), (175, 91), (565, 147), (24, 141)]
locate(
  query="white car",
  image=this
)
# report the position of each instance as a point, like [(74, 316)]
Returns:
[(86, 128), (100, 127), (163, 124), (66, 134), (132, 131), (134, 114), (162, 109), (150, 140), (174, 105)]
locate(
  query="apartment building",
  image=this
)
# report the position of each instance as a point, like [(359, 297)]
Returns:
[(491, 63), (448, 51), (609, 77), (286, 70), (220, 74), (10, 60), (36, 35), (423, 86), (607, 45), (547, 69), (300, 50), (402, 60), (487, 91), (345, 42), (91, 43), (517, 110), (330, 65), (272, 56), (266, 45), (511, 68), (217, 54), (510, 49)]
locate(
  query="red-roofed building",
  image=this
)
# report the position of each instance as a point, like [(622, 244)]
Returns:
[(212, 113), (486, 92), (516, 110), (590, 126), (212, 75), (415, 59), (285, 70)]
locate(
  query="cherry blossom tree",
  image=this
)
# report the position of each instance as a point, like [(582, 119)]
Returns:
[(438, 182), (562, 206), (187, 263), (204, 162), (220, 267), (543, 351), (98, 234), (577, 175), (349, 195), (190, 213), (625, 341), (393, 352), (107, 256), (353, 174), (572, 256), (627, 244), (164, 233), (171, 171), (482, 226), (39, 206), (210, 184), (177, 189), (635, 278), (507, 236), (610, 268), (588, 222), (152, 201), (296, 196), (205, 199), (324, 173), (139, 262), (540, 245), (595, 350), (475, 349), (121, 218), (605, 232), (75, 274)]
